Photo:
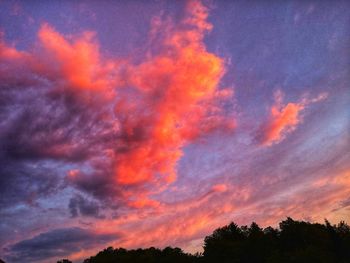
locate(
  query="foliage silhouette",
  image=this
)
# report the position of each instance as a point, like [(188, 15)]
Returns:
[(293, 242), (149, 255)]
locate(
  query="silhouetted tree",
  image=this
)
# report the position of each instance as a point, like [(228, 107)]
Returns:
[(149, 255), (64, 261), (225, 244), (293, 242)]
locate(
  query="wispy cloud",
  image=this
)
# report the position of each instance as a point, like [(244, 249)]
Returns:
[(283, 119)]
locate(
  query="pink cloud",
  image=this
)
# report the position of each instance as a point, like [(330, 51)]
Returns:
[(175, 87), (78, 60), (284, 118)]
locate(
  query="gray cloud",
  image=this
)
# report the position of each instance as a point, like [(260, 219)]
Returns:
[(78, 205), (44, 126), (56, 243)]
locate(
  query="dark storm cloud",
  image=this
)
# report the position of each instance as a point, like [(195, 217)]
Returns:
[(56, 243)]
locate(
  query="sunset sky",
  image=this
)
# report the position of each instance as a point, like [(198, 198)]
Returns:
[(151, 123)]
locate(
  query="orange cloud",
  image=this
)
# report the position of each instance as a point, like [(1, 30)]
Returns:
[(11, 60), (9, 53), (143, 203), (220, 188), (74, 62), (176, 86), (284, 118), (176, 224), (78, 60)]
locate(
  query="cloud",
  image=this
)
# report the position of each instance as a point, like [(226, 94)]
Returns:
[(79, 60), (78, 205), (345, 203), (120, 124), (257, 193), (23, 183), (42, 127), (171, 102), (220, 188), (283, 119), (56, 243)]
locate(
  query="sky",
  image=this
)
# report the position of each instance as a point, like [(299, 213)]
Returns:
[(152, 123)]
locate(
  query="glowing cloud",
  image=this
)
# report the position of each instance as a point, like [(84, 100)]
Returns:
[(79, 61), (284, 118), (173, 90)]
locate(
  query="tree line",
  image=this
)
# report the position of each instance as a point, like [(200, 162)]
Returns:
[(292, 242)]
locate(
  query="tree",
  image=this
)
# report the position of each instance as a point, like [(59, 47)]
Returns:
[(64, 261), (225, 244), (293, 242)]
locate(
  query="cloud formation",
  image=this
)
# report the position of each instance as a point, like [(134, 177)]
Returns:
[(283, 119), (78, 61), (78, 205), (126, 121), (170, 105), (56, 243)]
